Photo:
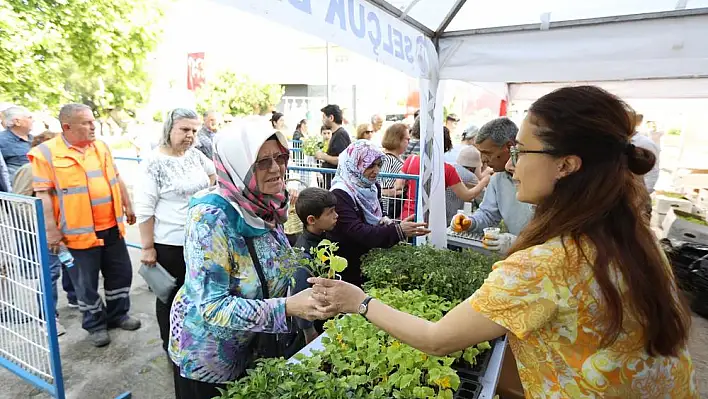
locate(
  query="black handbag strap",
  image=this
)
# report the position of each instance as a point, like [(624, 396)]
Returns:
[(257, 265)]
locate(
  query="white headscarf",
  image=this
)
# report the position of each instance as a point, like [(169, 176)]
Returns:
[(235, 152)]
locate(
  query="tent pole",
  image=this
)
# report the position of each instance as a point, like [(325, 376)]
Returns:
[(450, 16), (327, 71), (579, 22), (386, 6)]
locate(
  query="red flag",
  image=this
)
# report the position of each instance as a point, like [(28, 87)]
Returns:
[(502, 108), (195, 70)]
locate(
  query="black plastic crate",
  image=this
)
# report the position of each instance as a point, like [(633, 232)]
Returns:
[(480, 368), (468, 389)]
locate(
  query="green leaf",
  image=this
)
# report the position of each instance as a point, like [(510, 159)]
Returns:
[(338, 264)]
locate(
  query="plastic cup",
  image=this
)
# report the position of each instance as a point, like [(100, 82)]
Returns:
[(491, 233)]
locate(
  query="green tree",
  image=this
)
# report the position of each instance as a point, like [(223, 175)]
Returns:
[(237, 94), (89, 51)]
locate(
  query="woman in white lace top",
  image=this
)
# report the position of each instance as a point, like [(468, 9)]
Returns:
[(169, 177)]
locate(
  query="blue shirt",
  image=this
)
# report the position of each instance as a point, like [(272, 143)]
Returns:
[(5, 186), (14, 151), (499, 204)]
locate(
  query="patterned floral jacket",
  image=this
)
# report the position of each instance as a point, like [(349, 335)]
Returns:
[(217, 312)]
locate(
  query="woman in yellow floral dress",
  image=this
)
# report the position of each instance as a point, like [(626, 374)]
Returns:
[(586, 295)]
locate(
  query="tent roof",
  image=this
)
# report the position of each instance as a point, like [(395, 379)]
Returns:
[(437, 17)]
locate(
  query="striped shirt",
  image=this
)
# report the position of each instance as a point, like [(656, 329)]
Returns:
[(391, 164)]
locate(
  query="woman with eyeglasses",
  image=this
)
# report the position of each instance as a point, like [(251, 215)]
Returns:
[(364, 132), (168, 178), (234, 295), (586, 297), (361, 225)]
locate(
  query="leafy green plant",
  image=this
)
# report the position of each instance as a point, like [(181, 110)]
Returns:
[(275, 378), (322, 261), (361, 361), (449, 274), (311, 145)]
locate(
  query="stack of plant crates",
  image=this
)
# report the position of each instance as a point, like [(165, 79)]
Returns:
[(681, 217), (357, 360)]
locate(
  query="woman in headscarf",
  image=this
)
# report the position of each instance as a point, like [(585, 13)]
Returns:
[(361, 225), (233, 241)]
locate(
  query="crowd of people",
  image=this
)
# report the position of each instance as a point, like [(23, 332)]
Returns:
[(583, 292)]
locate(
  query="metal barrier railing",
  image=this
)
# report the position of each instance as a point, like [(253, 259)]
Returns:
[(29, 346), (306, 170), (28, 338)]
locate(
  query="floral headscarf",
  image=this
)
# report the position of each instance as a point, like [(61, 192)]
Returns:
[(353, 161), (235, 154)]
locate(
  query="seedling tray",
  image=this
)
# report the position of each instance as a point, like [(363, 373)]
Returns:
[(468, 389), (478, 369)]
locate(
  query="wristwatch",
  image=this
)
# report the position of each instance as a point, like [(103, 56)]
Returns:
[(364, 306)]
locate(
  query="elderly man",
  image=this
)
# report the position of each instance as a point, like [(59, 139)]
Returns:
[(85, 205), (494, 142), (205, 136), (15, 140), (377, 125)]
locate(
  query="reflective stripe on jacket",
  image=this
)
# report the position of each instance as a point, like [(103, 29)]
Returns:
[(72, 203)]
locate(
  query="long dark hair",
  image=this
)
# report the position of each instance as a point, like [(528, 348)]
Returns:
[(604, 202)]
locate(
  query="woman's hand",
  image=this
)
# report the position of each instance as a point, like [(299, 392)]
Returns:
[(385, 221), (293, 194), (485, 180), (413, 229), (148, 256), (304, 306), (336, 296)]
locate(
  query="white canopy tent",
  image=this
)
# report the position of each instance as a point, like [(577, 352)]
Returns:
[(514, 47)]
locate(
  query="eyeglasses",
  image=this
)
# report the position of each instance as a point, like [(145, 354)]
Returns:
[(280, 160), (369, 131), (514, 152)]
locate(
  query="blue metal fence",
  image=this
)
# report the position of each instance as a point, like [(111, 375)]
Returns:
[(29, 346), (308, 172)]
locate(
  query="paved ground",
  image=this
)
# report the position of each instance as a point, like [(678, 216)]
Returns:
[(135, 362)]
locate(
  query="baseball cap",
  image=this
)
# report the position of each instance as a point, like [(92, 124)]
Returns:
[(453, 117), (469, 157)]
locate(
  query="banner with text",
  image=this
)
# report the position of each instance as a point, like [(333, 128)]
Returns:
[(355, 24), (195, 71)]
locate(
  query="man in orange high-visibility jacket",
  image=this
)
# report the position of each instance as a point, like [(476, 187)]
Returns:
[(85, 205)]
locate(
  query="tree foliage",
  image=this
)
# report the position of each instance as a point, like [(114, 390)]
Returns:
[(237, 94), (89, 51)]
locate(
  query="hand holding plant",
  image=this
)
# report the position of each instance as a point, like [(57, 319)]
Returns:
[(324, 262), (335, 296), (302, 305)]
